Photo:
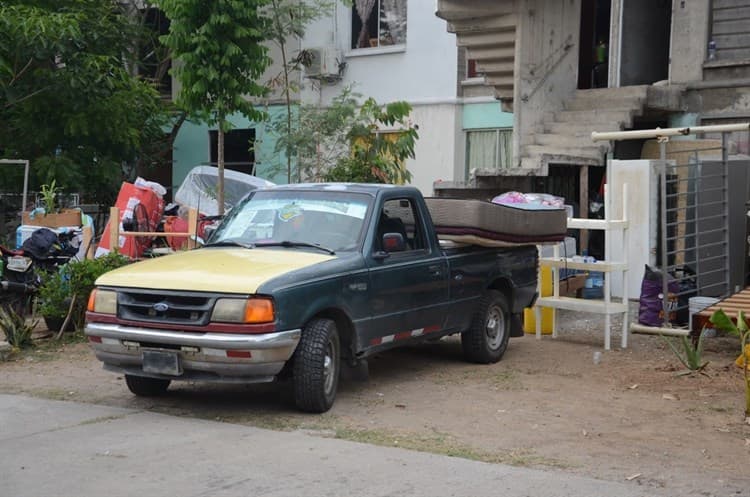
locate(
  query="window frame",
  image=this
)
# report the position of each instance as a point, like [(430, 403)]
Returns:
[(380, 47), (246, 167), (420, 230)]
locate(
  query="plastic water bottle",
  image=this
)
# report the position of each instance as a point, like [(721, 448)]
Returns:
[(712, 50)]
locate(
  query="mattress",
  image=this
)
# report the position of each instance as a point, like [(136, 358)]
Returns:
[(484, 223)]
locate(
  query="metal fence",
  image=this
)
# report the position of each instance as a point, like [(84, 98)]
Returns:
[(694, 239), (11, 208), (693, 243)]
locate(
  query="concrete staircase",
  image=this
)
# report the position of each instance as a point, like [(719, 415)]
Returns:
[(488, 32), (564, 137)]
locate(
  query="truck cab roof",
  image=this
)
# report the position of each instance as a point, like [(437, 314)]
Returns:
[(368, 188)]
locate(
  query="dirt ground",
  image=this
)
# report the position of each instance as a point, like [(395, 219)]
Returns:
[(547, 405)]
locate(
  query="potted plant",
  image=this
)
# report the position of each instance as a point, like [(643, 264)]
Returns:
[(54, 299), (67, 290), (49, 197), (52, 217)]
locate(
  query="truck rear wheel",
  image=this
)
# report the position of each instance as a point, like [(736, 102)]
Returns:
[(146, 387), (317, 362), (487, 338)]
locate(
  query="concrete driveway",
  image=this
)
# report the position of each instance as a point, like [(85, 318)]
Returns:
[(52, 448)]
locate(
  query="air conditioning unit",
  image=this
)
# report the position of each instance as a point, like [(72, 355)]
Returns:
[(313, 70), (325, 64)]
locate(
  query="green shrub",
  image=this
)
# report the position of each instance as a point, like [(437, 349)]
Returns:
[(83, 274), (75, 280), (54, 294)]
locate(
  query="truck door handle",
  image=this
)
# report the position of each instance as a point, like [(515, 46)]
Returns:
[(435, 270)]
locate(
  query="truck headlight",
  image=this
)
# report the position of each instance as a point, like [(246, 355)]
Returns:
[(102, 301), (248, 311)]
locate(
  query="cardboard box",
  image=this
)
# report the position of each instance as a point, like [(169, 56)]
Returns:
[(570, 286), (70, 217)]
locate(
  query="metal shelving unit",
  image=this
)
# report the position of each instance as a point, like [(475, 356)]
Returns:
[(607, 306)]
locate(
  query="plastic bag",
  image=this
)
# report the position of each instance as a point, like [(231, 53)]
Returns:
[(650, 307), (529, 198), (152, 185), (199, 189)]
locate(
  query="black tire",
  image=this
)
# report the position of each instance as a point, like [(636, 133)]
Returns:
[(146, 387), (487, 338), (317, 364)]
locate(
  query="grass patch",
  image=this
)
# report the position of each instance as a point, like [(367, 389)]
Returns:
[(51, 393), (267, 421), (278, 421), (51, 349), (443, 444), (506, 380), (719, 408)]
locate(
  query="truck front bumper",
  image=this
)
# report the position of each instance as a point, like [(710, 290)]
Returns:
[(219, 357)]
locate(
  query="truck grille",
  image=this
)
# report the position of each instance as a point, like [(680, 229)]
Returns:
[(165, 307)]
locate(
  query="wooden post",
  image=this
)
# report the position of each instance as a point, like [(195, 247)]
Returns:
[(88, 241), (114, 228), (192, 228)]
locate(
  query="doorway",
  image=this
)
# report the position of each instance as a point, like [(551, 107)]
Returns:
[(645, 45), (593, 56)]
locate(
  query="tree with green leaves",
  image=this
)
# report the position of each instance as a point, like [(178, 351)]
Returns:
[(381, 140), (289, 21), (351, 142), (219, 56), (68, 100)]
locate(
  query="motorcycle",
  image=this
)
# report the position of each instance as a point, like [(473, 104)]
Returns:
[(18, 281), (22, 270)]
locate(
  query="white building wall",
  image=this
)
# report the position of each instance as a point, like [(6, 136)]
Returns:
[(421, 72), (435, 151)]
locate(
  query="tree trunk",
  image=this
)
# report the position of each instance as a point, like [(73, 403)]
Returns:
[(288, 100), (220, 154)]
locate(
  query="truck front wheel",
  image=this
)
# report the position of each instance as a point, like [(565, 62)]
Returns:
[(146, 387), (487, 338), (315, 373)]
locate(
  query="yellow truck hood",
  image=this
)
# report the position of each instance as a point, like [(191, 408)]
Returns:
[(225, 270)]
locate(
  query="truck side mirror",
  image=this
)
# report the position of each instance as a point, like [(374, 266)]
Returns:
[(394, 242), (209, 231)]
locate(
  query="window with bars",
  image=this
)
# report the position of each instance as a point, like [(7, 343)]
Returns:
[(489, 149), (378, 23)]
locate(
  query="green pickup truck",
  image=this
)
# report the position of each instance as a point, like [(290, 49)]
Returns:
[(299, 280)]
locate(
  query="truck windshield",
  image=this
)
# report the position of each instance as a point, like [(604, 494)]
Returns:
[(333, 220)]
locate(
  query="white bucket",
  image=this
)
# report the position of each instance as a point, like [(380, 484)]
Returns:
[(697, 304)]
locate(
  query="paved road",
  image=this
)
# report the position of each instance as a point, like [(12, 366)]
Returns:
[(51, 448)]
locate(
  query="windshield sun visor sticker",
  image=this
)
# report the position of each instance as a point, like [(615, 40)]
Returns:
[(289, 212)]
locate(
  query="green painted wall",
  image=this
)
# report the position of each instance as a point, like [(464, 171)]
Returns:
[(486, 115), (191, 148), (683, 120)]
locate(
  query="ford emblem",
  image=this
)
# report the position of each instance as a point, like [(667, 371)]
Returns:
[(161, 307)]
